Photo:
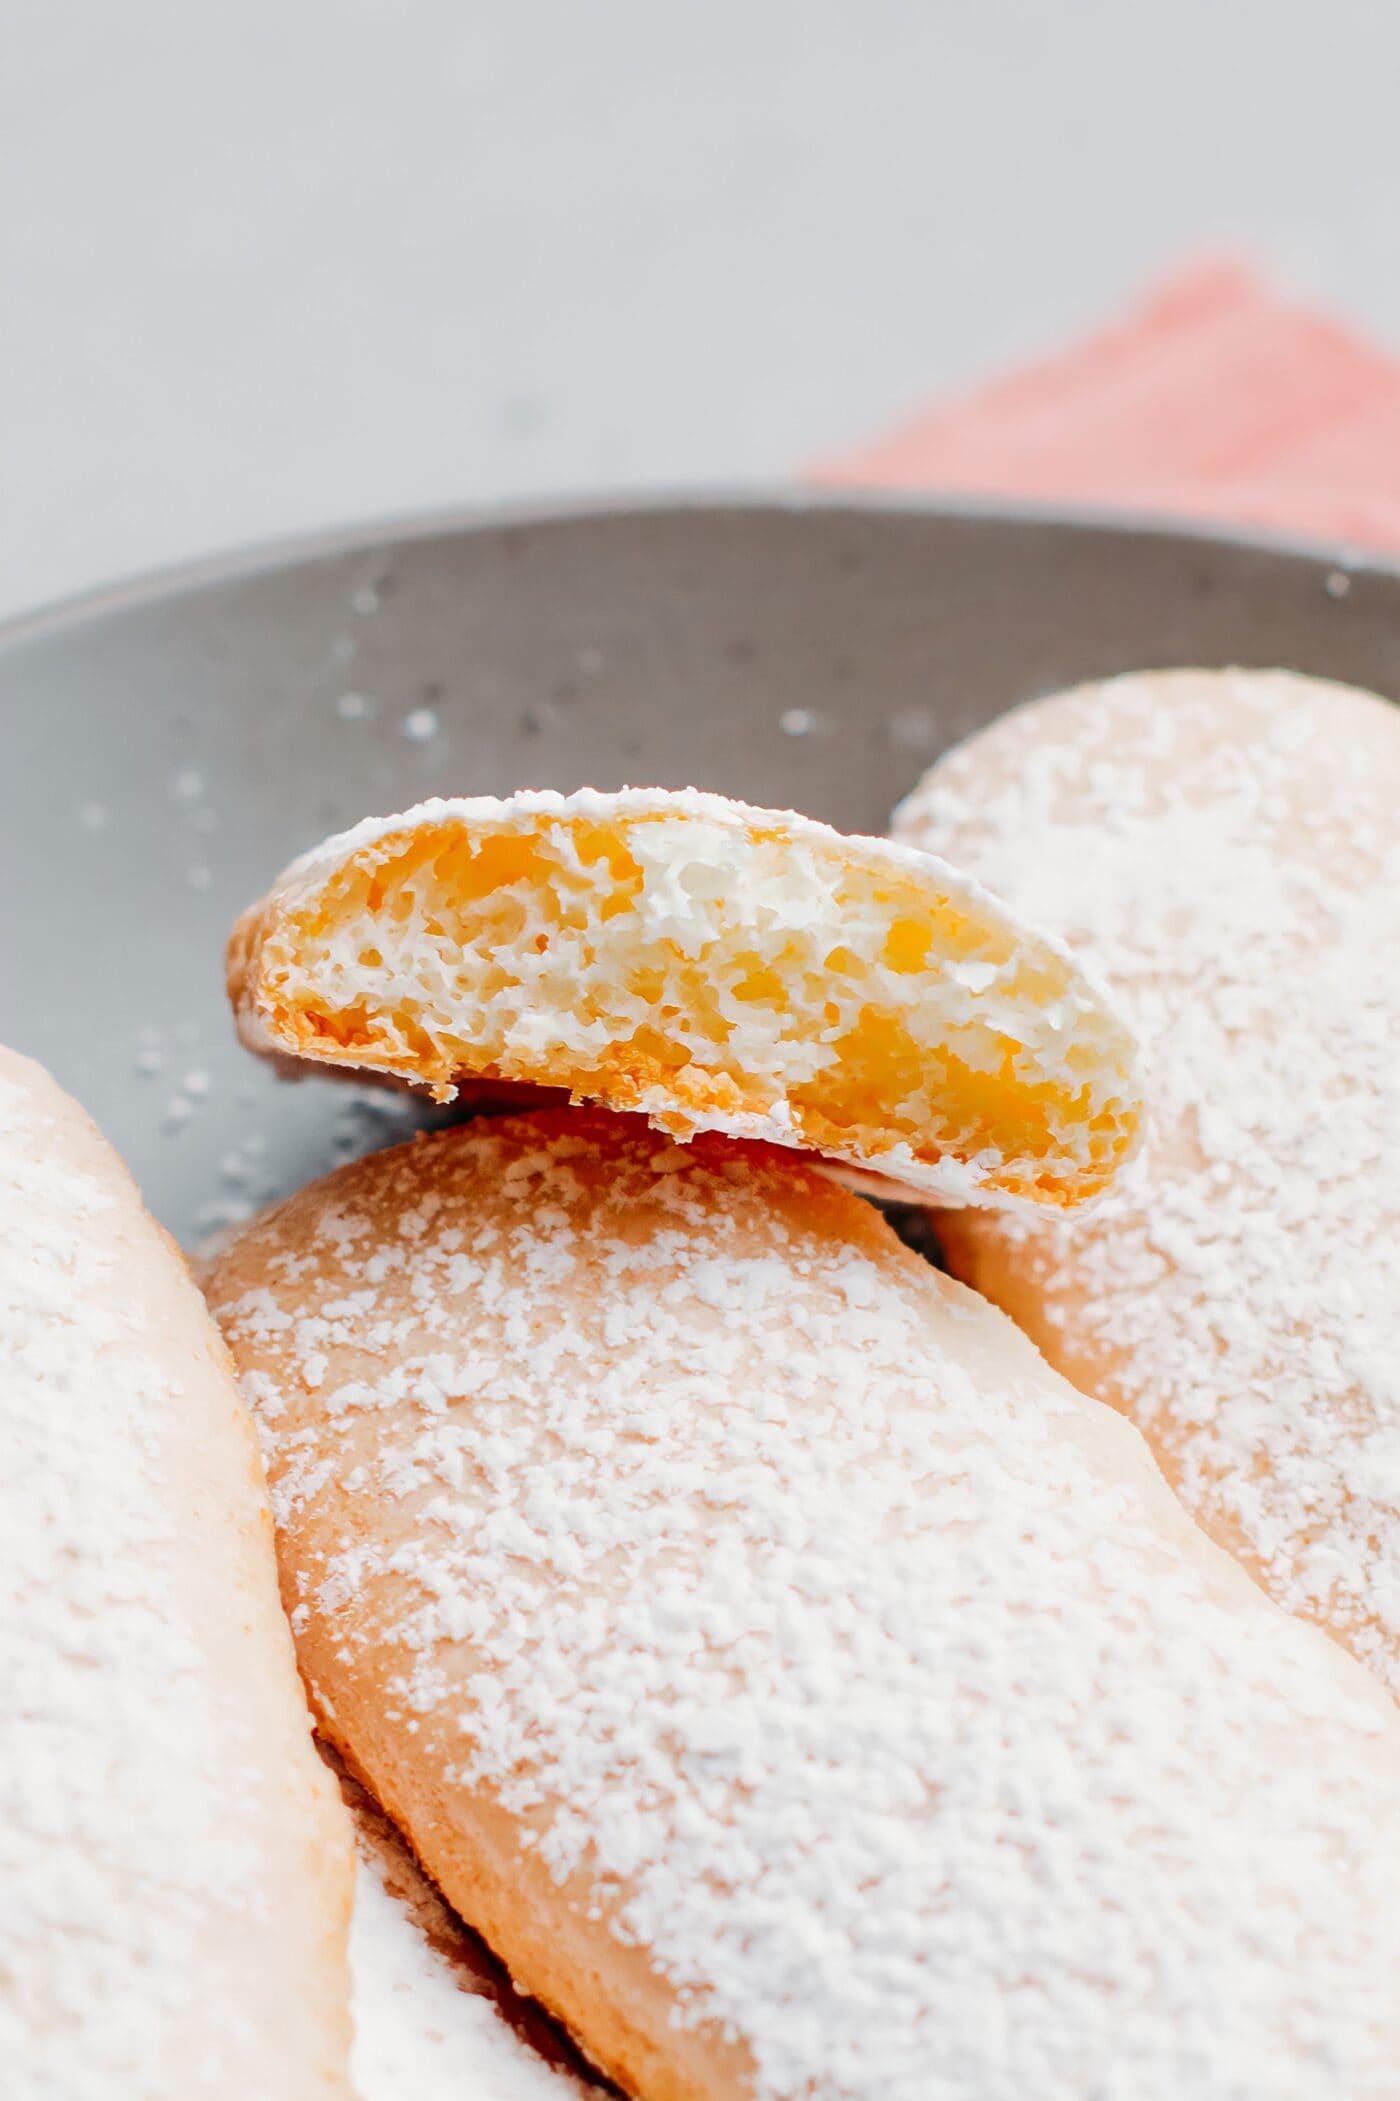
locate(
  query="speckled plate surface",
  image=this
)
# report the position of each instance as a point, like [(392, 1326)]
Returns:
[(167, 747)]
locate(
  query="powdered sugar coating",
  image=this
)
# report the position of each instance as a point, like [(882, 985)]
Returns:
[(819, 1640), (1225, 847), (137, 1816), (755, 948), (108, 1709), (723, 811)]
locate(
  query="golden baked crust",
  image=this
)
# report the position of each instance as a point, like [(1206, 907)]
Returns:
[(714, 966), (801, 1686), (1225, 846)]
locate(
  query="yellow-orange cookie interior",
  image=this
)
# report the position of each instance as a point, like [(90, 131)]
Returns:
[(711, 965)]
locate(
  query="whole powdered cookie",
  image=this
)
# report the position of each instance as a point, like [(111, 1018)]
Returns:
[(1225, 847), (805, 1690), (175, 1866)]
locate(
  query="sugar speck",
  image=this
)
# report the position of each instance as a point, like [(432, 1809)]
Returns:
[(1338, 583), (799, 722), (421, 726), (354, 707), (199, 877)]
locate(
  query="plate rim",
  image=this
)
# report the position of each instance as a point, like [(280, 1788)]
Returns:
[(246, 560)]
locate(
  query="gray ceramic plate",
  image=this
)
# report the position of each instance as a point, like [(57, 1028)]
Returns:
[(166, 748)]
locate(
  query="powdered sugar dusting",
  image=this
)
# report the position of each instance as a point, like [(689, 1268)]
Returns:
[(820, 1641), (1226, 848), (121, 1818)]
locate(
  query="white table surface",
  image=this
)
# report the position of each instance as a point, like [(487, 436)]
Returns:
[(267, 265)]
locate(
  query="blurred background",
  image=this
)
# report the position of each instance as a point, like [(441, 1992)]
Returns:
[(285, 263)]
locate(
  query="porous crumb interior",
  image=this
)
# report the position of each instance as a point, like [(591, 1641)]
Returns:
[(666, 962)]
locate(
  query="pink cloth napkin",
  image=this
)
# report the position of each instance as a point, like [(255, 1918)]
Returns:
[(1217, 398)]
